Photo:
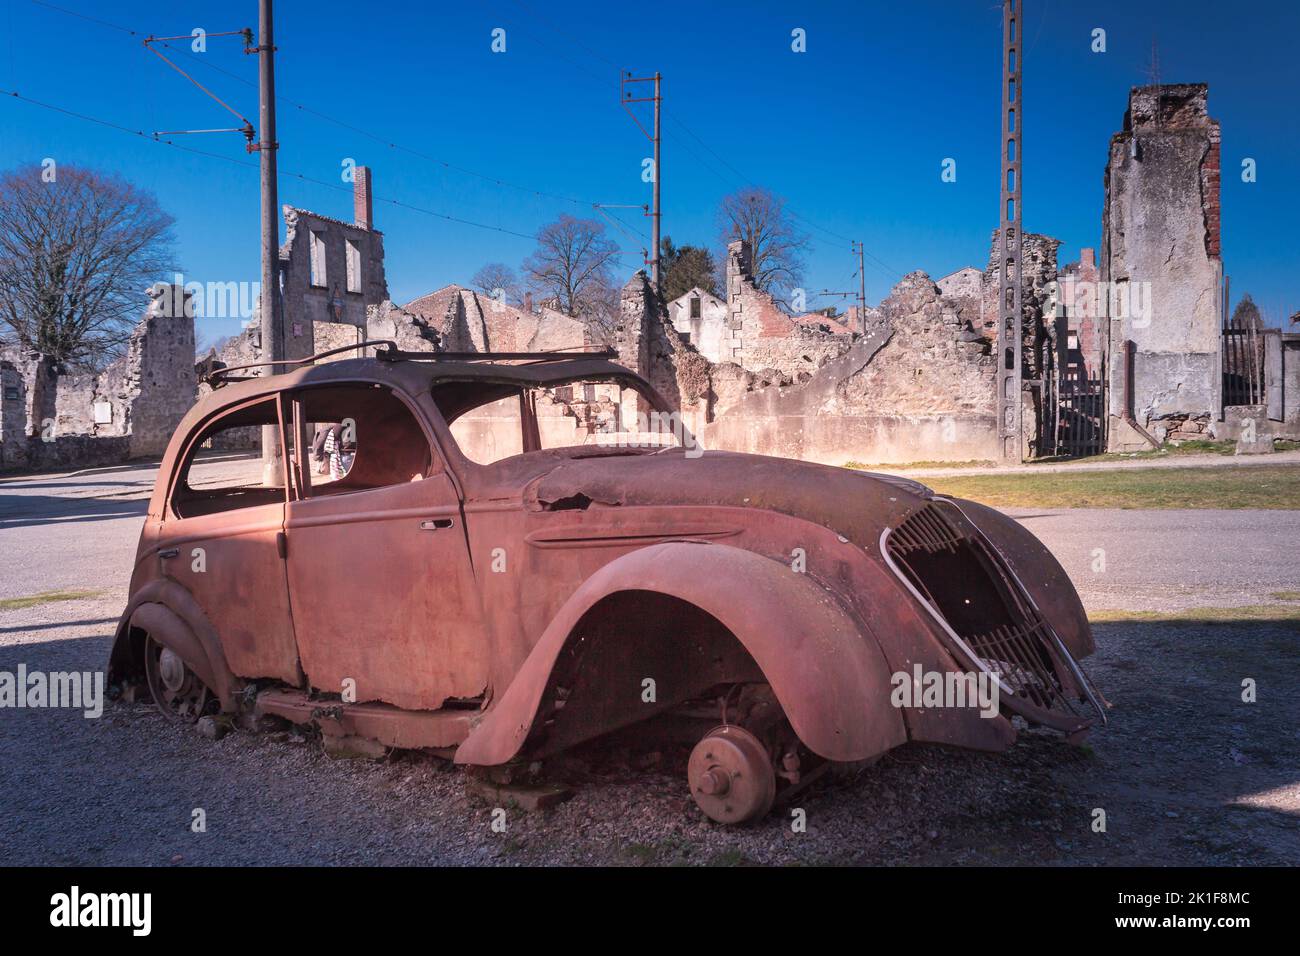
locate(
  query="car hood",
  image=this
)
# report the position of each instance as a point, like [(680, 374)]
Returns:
[(855, 504)]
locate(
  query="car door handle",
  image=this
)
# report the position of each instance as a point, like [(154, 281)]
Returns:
[(169, 553), (435, 524)]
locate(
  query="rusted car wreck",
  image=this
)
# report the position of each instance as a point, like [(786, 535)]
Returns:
[(507, 608)]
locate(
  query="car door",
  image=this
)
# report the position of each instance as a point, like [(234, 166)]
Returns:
[(221, 540), (382, 588)]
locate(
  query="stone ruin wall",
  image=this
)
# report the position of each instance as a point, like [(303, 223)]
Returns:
[(1160, 227), (760, 337), (51, 418), (920, 387)]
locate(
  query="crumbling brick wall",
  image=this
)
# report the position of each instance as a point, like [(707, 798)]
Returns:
[(761, 336), (1078, 298)]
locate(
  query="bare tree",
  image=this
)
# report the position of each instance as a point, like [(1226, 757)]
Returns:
[(573, 265), (77, 251), (776, 243), (498, 281)]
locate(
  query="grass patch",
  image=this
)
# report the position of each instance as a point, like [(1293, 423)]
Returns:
[(1213, 615), (1274, 487), (45, 597), (972, 463), (1195, 446), (1285, 595)]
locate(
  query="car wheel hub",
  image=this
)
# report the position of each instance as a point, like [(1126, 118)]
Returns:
[(171, 669), (731, 775), (176, 689)]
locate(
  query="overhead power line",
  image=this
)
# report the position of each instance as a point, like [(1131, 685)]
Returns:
[(743, 179), (152, 138), (375, 137)]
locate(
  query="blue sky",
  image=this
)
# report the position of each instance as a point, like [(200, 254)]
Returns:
[(852, 133)]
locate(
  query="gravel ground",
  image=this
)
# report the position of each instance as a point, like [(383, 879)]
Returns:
[(1186, 772)]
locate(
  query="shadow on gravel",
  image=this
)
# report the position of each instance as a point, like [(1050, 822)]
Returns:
[(1186, 773)]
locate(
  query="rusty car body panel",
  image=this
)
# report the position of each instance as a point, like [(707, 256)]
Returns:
[(515, 609)]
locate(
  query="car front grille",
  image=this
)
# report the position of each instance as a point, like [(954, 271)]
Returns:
[(990, 620)]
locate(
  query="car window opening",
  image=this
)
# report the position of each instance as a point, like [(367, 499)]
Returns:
[(491, 421)]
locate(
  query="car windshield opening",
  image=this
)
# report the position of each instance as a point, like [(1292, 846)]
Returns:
[(492, 421)]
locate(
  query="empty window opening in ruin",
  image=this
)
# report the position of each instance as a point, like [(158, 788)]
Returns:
[(695, 307), (316, 250), (353, 266)]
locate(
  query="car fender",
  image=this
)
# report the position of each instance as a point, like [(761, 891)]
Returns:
[(825, 669), (168, 613), (1039, 571)]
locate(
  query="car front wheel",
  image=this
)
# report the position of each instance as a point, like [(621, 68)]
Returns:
[(175, 688)]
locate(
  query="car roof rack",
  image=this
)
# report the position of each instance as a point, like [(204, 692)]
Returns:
[(388, 351), (394, 354), (221, 376)]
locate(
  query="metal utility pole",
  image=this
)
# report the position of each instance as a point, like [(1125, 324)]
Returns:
[(272, 320), (862, 288), (656, 215), (860, 295), (1010, 242)]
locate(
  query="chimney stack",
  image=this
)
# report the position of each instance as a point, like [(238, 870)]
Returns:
[(363, 210)]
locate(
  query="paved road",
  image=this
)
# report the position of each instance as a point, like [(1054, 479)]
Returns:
[(1154, 560), (79, 532)]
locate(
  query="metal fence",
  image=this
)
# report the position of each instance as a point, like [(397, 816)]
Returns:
[(1243, 363)]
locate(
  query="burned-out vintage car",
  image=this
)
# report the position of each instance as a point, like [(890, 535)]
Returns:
[(513, 560)]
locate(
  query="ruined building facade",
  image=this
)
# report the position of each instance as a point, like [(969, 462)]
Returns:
[(52, 417), (331, 273), (1161, 268)]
